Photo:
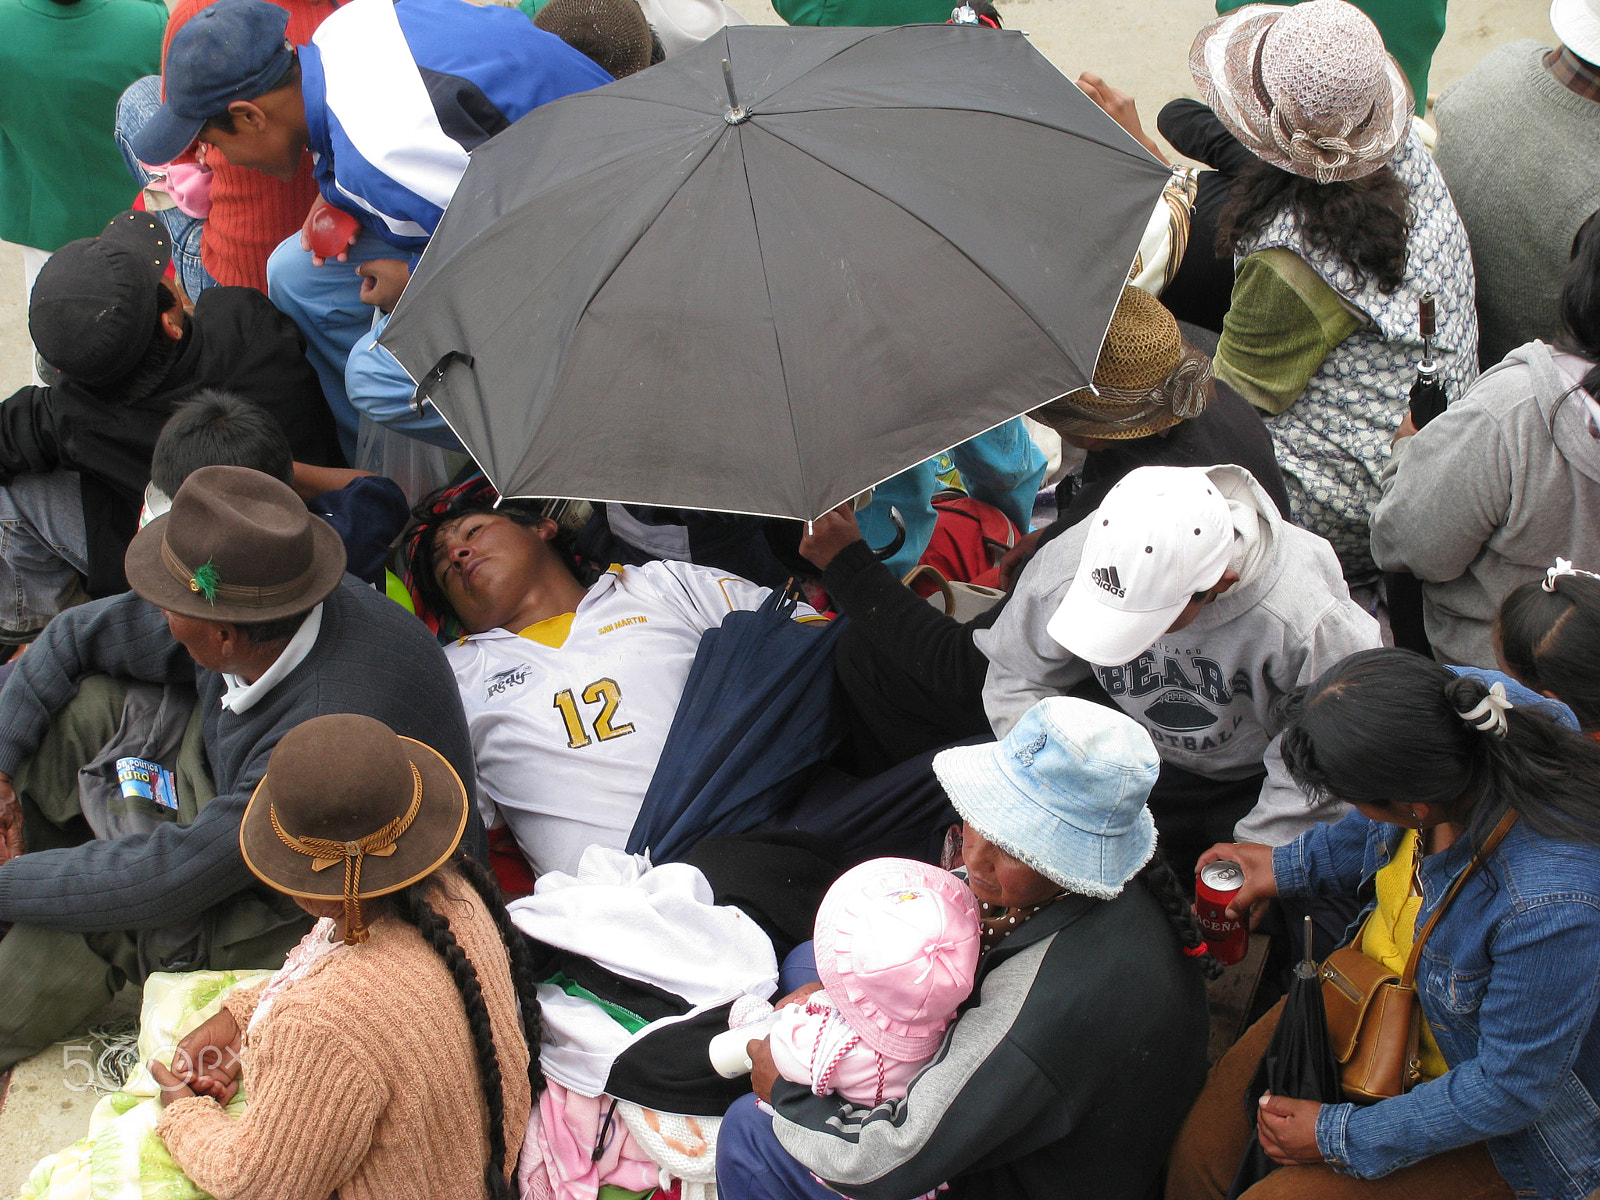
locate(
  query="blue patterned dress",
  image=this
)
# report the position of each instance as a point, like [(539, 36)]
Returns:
[(1333, 441)]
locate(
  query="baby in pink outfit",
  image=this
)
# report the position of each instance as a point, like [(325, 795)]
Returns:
[(896, 946)]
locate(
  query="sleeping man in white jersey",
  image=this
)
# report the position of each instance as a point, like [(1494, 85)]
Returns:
[(569, 691)]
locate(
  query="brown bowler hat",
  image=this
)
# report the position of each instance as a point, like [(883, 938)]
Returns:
[(236, 545), (350, 809)]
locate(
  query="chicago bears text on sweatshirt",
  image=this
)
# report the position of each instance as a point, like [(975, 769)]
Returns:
[(1208, 694)]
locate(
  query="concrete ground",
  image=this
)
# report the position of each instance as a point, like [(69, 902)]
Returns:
[(1140, 46)]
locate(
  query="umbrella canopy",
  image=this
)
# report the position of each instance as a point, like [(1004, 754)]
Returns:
[(1298, 1063), (755, 717), (894, 240)]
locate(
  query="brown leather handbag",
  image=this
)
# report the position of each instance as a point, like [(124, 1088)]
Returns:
[(1374, 1022)]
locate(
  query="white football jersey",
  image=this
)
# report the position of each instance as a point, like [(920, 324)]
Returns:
[(567, 739)]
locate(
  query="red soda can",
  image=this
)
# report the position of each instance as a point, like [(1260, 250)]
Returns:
[(1213, 892)]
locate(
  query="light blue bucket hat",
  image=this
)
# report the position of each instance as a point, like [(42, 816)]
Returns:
[(1064, 792)]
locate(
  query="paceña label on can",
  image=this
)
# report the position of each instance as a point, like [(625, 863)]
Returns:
[(1226, 937)]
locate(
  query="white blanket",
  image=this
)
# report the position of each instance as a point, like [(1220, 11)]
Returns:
[(657, 925)]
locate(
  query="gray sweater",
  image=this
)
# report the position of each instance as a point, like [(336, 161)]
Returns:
[(1208, 695), (1486, 496), (370, 657), (1518, 151)]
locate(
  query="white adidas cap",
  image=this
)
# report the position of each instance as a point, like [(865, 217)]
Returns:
[(1161, 535)]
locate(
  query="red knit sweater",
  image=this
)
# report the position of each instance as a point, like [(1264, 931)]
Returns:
[(251, 212)]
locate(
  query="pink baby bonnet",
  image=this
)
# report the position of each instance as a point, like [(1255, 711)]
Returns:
[(896, 945)]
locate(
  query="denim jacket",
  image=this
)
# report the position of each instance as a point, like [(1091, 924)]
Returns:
[(1509, 982)]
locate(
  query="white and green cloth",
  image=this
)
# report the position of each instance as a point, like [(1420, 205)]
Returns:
[(121, 1158)]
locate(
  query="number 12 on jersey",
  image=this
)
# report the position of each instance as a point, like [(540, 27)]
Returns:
[(603, 692)]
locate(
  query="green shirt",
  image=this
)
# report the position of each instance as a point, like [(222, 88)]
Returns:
[(62, 69), (1283, 321), (1411, 30), (865, 12)]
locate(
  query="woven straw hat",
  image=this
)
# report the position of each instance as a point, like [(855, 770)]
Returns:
[(1309, 89), (1147, 378)]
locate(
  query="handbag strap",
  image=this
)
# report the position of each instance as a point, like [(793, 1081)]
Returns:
[(1491, 843), (941, 584)]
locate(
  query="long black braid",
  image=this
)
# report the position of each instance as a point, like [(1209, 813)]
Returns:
[(411, 905), (522, 971), (1163, 885)]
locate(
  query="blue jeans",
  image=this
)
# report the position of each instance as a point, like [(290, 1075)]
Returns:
[(325, 302), (751, 1165), (136, 107), (799, 968), (43, 549)]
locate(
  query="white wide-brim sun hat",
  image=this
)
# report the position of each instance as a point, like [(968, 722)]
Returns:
[(1577, 24), (1309, 89), (1064, 793)]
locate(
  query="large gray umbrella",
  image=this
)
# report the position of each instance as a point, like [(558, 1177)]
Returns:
[(896, 239)]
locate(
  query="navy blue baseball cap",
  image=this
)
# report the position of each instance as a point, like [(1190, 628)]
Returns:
[(235, 50)]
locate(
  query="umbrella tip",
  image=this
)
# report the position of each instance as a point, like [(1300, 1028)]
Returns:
[(736, 113)]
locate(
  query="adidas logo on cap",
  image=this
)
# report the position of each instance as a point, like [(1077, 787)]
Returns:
[(1106, 578)]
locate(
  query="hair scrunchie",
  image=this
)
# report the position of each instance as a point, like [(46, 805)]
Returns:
[(1563, 567), (1489, 714)]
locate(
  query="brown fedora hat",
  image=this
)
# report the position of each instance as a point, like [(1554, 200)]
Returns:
[(350, 809), (237, 545)]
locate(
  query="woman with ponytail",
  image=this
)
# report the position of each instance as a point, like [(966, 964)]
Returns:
[(1485, 497), (1068, 1071), (1442, 773), (389, 1057)]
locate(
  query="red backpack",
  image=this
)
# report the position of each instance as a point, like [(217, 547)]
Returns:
[(969, 540)]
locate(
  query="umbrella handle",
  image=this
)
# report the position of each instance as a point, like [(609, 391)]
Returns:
[(899, 538), (737, 113), (424, 392)]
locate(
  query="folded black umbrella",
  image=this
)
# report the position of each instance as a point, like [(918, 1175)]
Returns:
[(755, 719), (1428, 399), (1298, 1063)]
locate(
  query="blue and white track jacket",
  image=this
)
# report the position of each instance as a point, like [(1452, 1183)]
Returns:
[(399, 92)]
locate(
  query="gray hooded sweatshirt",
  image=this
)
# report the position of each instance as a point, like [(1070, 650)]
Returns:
[(1487, 495), (1207, 694)]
